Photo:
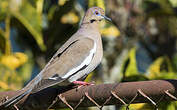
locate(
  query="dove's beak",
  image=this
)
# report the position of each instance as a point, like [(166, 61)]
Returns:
[(106, 18)]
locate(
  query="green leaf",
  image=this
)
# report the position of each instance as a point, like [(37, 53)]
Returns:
[(138, 77), (32, 20), (161, 68), (26, 69), (2, 40), (172, 106), (173, 3), (163, 7), (130, 67), (3, 9)]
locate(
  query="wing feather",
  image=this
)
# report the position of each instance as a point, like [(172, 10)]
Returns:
[(64, 64)]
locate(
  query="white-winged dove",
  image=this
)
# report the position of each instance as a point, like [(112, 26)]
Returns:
[(79, 56)]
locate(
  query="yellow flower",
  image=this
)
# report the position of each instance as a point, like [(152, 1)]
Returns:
[(111, 31), (70, 18), (62, 2), (13, 61), (3, 85), (22, 57)]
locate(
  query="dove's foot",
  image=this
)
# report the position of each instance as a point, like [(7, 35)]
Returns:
[(82, 83)]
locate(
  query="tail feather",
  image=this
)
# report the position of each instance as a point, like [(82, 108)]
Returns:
[(15, 99)]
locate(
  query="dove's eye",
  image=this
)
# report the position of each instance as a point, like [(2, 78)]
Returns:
[(96, 12)]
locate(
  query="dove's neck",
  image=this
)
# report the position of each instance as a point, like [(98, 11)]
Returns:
[(90, 27)]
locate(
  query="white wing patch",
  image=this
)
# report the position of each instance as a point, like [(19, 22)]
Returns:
[(85, 62), (53, 78)]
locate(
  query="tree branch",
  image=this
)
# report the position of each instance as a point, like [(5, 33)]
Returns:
[(98, 95)]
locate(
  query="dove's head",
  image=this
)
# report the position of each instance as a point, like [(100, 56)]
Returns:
[(94, 15)]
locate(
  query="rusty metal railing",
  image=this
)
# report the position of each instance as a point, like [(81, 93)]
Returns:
[(125, 94)]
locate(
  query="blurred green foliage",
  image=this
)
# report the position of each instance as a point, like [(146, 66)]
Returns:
[(139, 45)]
